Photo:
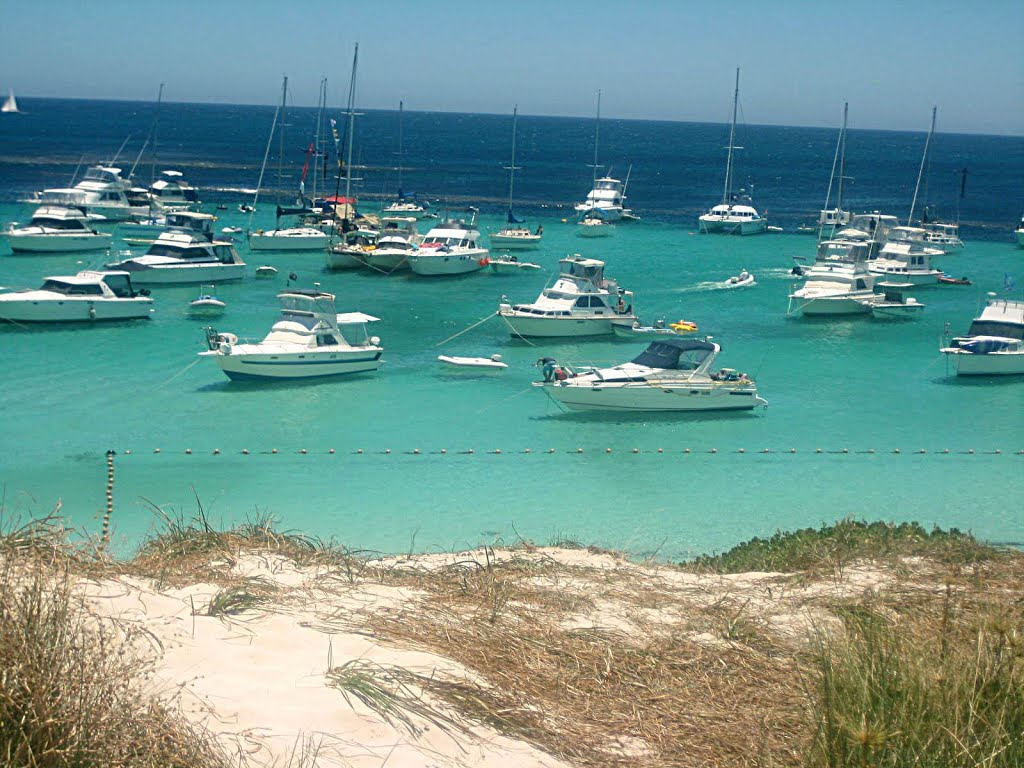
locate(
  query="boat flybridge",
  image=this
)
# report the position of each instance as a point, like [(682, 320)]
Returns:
[(309, 340), (187, 252), (906, 262), (838, 283), (606, 200), (672, 374), (995, 342), (171, 192), (582, 302), (102, 192), (56, 229), (84, 297)]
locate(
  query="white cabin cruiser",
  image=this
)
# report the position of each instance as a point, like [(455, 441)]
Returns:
[(592, 225), (186, 253), (301, 238), (355, 244), (450, 248), (172, 193), (995, 341), (101, 191), (582, 302), (605, 199), (309, 340), (56, 229), (672, 374), (906, 262), (85, 297), (396, 243), (837, 283)]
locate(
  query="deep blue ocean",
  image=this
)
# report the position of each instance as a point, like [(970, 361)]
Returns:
[(844, 395)]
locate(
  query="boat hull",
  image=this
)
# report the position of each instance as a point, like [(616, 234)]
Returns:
[(385, 261), (183, 274), (74, 310), (345, 259), (515, 242), (272, 241), (897, 312), (831, 306), (241, 364), (990, 364), (58, 243), (717, 225), (561, 327), (652, 398), (448, 264)]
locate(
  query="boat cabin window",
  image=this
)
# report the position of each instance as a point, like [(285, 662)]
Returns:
[(995, 328), (326, 340), (120, 285), (72, 289)]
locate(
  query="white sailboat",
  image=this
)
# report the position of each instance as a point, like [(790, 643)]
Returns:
[(736, 214), (10, 104), (406, 204), (300, 238), (514, 236)]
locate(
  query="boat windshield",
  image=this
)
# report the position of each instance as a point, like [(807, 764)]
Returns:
[(72, 289), (680, 357), (591, 271), (995, 328)]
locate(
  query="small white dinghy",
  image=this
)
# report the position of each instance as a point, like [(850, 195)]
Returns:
[(493, 362), (510, 265), (742, 280), (206, 304), (266, 271)]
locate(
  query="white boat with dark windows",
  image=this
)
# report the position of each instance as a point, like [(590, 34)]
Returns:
[(88, 296), (56, 229), (310, 340), (736, 214), (189, 253), (906, 262), (893, 303), (10, 105), (582, 302), (994, 344), (492, 363), (671, 375), (102, 191), (592, 225), (838, 283), (450, 248)]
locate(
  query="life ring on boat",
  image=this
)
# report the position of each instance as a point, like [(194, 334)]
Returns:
[(484, 261), (684, 326)]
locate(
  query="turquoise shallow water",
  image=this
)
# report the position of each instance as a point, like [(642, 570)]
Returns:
[(69, 394)]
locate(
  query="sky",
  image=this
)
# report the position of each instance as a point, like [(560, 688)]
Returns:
[(652, 59)]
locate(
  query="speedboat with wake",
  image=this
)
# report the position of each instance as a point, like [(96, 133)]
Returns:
[(742, 280), (670, 375)]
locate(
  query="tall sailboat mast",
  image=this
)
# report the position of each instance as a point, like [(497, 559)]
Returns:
[(512, 167), (401, 150), (597, 137), (349, 208), (732, 141), (920, 172)]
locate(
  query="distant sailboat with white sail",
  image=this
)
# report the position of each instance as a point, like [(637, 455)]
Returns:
[(10, 104)]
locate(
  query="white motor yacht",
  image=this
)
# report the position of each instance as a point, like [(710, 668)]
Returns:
[(186, 253), (672, 374), (906, 262), (56, 229), (837, 283), (592, 225), (172, 193), (450, 248), (397, 242), (995, 342), (403, 207), (85, 297), (945, 237), (605, 199), (582, 302), (101, 191), (309, 340), (1020, 232)]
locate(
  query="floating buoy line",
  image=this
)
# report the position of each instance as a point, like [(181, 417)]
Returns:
[(576, 451)]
